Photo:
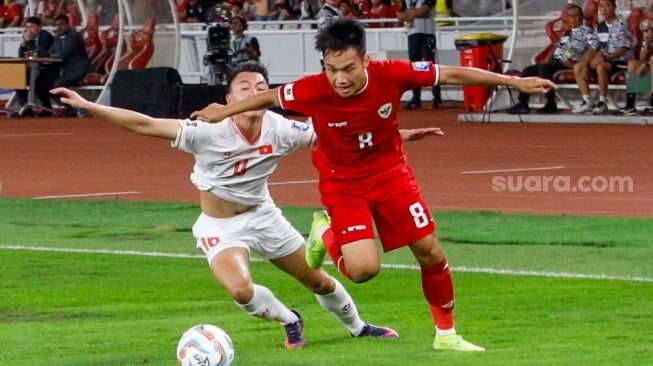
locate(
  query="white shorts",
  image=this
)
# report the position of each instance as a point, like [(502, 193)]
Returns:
[(262, 229)]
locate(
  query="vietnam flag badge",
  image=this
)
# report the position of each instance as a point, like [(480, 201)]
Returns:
[(265, 149)]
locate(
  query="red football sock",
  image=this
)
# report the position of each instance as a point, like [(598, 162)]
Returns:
[(334, 252), (437, 285)]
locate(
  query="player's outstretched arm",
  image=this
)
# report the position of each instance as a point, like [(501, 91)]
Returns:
[(217, 112), (130, 120), (458, 75), (420, 133)]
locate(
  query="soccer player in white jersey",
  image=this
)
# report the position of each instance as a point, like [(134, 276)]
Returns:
[(233, 161)]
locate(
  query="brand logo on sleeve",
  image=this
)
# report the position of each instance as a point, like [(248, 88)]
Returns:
[(288, 93), (299, 126), (421, 66)]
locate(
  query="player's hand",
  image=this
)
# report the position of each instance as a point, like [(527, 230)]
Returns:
[(70, 97), (532, 85), (420, 133), (210, 113)]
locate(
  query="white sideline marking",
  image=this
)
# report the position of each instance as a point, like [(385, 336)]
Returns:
[(494, 271), (513, 170), (85, 195)]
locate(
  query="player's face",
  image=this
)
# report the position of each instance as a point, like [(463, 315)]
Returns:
[(346, 71), (245, 85)]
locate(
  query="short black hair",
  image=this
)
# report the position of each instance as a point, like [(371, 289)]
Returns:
[(247, 66), (63, 17), (242, 19), (34, 20), (341, 35)]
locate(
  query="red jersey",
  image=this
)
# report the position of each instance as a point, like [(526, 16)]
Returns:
[(9, 13), (358, 136)]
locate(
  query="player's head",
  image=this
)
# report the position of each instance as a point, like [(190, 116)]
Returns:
[(245, 80), (343, 49)]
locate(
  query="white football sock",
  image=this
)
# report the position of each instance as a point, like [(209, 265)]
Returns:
[(266, 306), (341, 305)]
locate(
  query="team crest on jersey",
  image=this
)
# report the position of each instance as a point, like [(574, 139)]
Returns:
[(299, 125), (288, 93), (228, 154), (385, 110), (421, 66)]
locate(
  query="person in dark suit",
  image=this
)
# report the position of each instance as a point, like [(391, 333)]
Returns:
[(69, 47), (37, 43)]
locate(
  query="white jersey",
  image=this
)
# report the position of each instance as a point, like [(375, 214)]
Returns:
[(232, 168)]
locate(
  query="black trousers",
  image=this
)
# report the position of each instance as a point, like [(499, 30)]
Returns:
[(48, 73), (545, 71), (421, 47)]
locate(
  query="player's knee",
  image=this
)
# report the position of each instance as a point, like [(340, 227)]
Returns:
[(363, 274), (240, 294)]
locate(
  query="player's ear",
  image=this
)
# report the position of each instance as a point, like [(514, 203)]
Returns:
[(228, 98), (366, 60)]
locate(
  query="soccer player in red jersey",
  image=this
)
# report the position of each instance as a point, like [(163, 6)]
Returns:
[(364, 177)]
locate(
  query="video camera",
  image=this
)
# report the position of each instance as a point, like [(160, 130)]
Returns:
[(218, 55)]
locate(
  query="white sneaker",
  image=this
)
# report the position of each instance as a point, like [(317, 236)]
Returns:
[(583, 108), (600, 108)]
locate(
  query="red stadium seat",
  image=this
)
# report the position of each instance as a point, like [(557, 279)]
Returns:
[(91, 36), (141, 47)]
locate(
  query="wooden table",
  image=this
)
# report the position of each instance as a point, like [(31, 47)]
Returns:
[(14, 75)]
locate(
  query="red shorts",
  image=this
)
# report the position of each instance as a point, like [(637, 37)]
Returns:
[(393, 203)]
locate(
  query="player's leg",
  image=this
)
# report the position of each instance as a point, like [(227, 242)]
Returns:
[(229, 262), (403, 219), (331, 295), (437, 285), (320, 231), (350, 241)]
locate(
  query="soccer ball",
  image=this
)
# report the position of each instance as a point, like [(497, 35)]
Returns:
[(205, 345)]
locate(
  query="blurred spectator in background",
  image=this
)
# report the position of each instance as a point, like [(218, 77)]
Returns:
[(640, 67), (195, 12), (571, 47), (11, 14), (37, 42), (180, 6), (444, 9), (220, 12), (378, 10), (243, 47), (284, 8), (265, 10), (346, 10), (614, 53), (418, 16), (69, 47), (361, 7), (32, 9), (249, 9), (107, 10), (50, 8), (329, 12)]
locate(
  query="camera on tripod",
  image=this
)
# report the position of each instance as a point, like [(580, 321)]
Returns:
[(217, 42), (218, 55)]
